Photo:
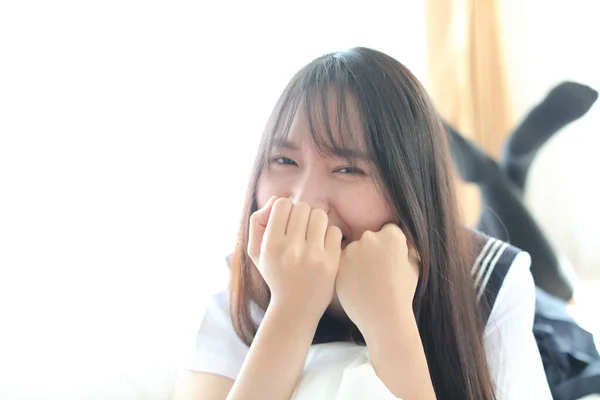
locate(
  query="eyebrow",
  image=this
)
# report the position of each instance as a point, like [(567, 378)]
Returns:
[(351, 154)]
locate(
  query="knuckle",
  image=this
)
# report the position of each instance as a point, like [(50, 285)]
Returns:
[(302, 207), (394, 228), (398, 234), (302, 204), (394, 231), (282, 203), (367, 235), (334, 230), (318, 213)]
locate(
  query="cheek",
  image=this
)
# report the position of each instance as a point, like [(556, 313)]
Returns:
[(267, 187), (364, 211)]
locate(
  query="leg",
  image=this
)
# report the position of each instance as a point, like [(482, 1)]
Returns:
[(505, 216), (563, 104)]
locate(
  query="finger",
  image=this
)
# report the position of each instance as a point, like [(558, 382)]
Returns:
[(258, 224), (298, 221), (333, 239), (279, 218), (390, 227), (394, 230), (263, 215), (317, 227)]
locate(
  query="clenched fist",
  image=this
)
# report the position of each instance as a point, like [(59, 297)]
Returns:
[(377, 278)]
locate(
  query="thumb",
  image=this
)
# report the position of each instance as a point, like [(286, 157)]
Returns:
[(258, 225)]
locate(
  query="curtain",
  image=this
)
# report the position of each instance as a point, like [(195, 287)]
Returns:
[(466, 72), (466, 77)]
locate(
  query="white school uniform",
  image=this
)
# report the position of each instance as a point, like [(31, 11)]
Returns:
[(342, 371)]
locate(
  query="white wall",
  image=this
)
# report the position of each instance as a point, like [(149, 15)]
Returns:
[(549, 42), (127, 130)]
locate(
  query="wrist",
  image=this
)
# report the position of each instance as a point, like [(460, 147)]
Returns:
[(398, 358), (297, 314), (394, 343), (391, 327)]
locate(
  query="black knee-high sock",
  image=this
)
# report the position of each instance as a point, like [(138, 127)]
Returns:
[(472, 163), (505, 216), (565, 103)]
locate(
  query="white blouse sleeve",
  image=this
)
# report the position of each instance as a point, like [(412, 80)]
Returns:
[(218, 348), (513, 356)]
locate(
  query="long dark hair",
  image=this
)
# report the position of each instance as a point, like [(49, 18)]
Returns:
[(405, 138)]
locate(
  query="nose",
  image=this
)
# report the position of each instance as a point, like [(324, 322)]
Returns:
[(311, 189)]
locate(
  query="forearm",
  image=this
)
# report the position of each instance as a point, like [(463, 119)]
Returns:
[(276, 357), (397, 355)]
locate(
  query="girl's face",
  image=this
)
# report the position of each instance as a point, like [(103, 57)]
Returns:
[(342, 185), (346, 192)]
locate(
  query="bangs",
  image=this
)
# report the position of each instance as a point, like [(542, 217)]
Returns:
[(329, 109)]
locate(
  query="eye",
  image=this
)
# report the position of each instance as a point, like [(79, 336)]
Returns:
[(350, 170), (283, 161)]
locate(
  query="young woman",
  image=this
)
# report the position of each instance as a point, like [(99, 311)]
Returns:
[(351, 234)]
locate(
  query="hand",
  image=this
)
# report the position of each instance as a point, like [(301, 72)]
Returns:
[(377, 279), (296, 253)]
